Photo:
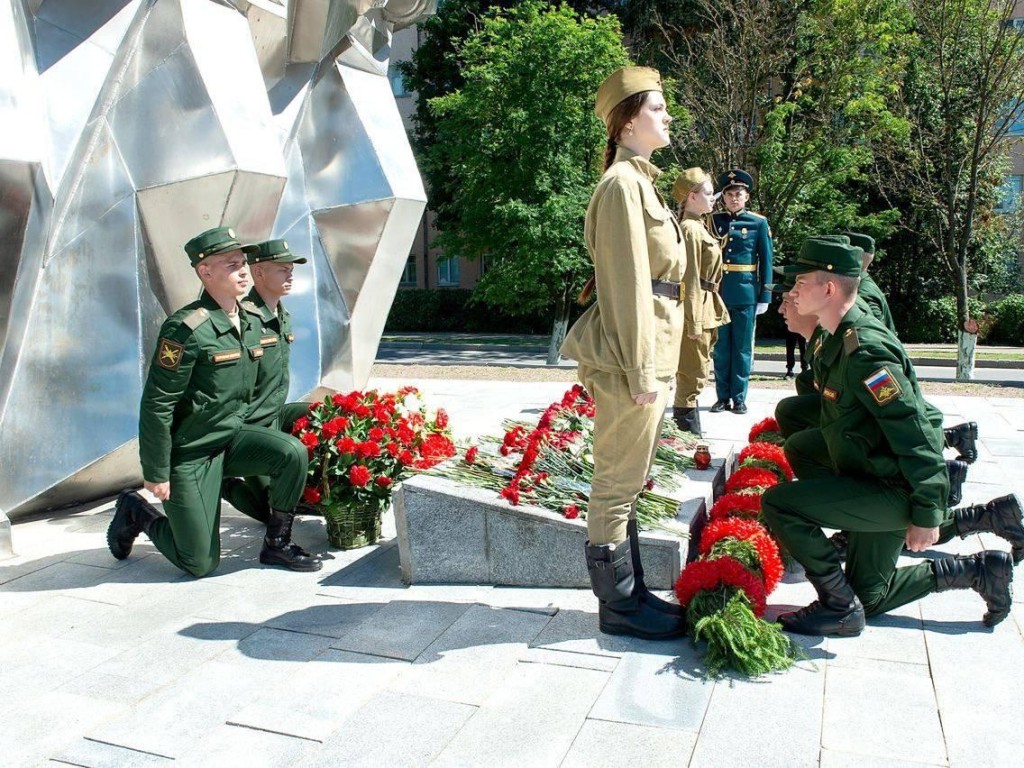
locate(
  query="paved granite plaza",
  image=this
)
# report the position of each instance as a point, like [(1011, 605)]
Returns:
[(107, 663)]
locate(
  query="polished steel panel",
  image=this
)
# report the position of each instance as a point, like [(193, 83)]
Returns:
[(152, 120), (405, 13)]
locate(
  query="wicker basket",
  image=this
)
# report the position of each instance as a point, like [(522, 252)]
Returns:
[(349, 528)]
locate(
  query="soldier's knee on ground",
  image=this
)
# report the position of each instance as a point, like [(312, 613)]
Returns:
[(202, 566), (872, 598)]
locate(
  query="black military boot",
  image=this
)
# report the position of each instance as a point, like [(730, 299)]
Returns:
[(837, 611), (132, 515), (721, 405), (639, 587), (620, 610), (989, 573), (963, 438), (957, 471), (278, 548), (1002, 516), (687, 419)]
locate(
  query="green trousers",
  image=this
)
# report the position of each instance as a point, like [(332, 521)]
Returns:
[(251, 495), (694, 368), (797, 413), (625, 440), (189, 535), (873, 513)]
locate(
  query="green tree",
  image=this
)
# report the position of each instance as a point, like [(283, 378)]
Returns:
[(963, 91), (520, 143), (793, 92)]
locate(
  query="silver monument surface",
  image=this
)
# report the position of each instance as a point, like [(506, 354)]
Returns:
[(127, 127)]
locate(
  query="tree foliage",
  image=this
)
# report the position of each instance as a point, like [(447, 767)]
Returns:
[(519, 141)]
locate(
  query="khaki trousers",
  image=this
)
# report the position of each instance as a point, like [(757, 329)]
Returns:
[(694, 367), (625, 439)]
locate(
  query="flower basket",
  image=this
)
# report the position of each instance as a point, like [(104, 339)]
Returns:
[(360, 445), (351, 527)]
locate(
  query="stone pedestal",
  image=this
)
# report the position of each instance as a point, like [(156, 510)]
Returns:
[(449, 533)]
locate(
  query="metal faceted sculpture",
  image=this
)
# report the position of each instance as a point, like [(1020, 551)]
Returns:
[(131, 125)]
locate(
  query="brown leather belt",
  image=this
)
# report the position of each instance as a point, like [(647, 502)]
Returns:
[(707, 285), (667, 288), (740, 267)]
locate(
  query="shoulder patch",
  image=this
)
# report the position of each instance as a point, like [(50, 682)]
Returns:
[(851, 341), (196, 317), (248, 306), (882, 386), (168, 354)]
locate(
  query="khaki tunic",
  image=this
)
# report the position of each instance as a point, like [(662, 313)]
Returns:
[(627, 344), (703, 310), (633, 239)]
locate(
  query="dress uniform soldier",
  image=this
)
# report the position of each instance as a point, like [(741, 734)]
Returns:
[(627, 345), (192, 423), (883, 478), (703, 308), (747, 254), (272, 265)]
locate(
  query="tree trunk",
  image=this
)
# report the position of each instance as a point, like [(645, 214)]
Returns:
[(967, 331), (560, 326)]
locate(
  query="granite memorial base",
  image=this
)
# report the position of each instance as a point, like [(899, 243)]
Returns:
[(456, 534)]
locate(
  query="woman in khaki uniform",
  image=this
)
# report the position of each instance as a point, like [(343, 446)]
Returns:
[(703, 308), (627, 345)]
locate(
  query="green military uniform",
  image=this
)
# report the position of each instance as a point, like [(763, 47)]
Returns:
[(873, 468), (868, 290), (268, 407), (193, 423), (703, 308)]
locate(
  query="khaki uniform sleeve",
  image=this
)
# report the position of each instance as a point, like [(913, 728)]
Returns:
[(883, 388), (623, 275), (166, 385), (693, 301)]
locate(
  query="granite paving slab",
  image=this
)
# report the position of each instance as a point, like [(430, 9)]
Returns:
[(569, 659), (226, 745), (832, 759), (660, 690), (45, 725), (401, 630), (391, 729), (95, 754), (531, 720), (605, 743), (576, 631)]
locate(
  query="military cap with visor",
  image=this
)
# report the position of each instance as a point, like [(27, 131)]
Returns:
[(271, 250), (623, 83), (819, 255), (867, 242), (736, 178), (210, 243)]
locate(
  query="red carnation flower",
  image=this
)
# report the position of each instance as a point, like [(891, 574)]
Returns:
[(571, 511), (441, 418), (346, 445), (301, 424), (771, 566), (736, 505), (766, 431), (368, 450), (338, 399), (649, 485), (751, 478), (361, 411), (376, 434), (384, 481), (702, 575), (359, 475), (309, 440), (311, 496), (406, 457), (511, 494), (393, 450), (471, 454), (767, 456)]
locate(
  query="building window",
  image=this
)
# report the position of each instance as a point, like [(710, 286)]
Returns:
[(1010, 194), (448, 271), (1017, 128), (409, 274), (397, 82)]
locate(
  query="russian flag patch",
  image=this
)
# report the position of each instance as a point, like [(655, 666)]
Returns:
[(882, 386)]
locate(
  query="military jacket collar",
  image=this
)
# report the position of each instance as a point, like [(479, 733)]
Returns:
[(218, 317), (646, 167), (834, 342), (266, 312)]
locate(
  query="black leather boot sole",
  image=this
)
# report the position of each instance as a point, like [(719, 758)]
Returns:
[(816, 619)]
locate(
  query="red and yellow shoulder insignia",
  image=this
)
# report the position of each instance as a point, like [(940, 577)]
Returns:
[(882, 386), (168, 354)]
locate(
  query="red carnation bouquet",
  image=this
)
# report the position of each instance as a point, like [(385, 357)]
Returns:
[(766, 456), (766, 431), (360, 444)]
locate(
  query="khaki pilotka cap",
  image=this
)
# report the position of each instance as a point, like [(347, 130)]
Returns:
[(687, 180), (271, 250), (210, 243), (623, 83)]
